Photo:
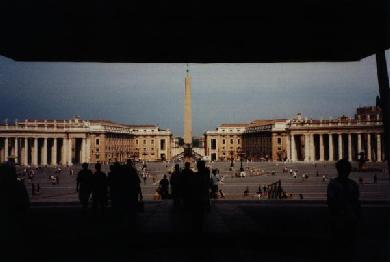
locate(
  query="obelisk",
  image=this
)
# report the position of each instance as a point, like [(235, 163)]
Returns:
[(187, 119)]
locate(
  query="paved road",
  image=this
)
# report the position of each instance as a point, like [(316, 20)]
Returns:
[(312, 188)]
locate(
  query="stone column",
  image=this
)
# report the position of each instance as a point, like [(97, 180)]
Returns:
[(349, 147), (6, 149), (88, 150), (322, 149), (84, 150), (307, 147), (378, 148), (369, 147), (312, 153), (44, 151), (340, 146), (359, 142), (17, 160), (35, 155), (26, 151), (64, 151), (331, 153), (54, 152), (293, 149), (288, 148), (69, 158)]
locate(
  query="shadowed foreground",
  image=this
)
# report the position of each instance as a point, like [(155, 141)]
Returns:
[(234, 231)]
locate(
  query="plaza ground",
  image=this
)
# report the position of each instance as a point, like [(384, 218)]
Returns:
[(313, 188), (236, 229)]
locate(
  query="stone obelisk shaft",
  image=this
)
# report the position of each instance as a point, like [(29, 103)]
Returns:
[(187, 120)]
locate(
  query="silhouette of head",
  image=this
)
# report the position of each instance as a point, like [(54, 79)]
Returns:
[(187, 165), (343, 167), (98, 167), (200, 164), (165, 176), (130, 162), (7, 174), (84, 166)]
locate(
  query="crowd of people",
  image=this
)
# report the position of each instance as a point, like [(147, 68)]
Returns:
[(121, 185)]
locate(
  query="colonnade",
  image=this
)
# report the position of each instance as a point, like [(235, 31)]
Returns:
[(311, 146), (43, 151)]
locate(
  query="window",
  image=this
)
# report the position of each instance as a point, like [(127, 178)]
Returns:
[(213, 144), (223, 141), (97, 156), (279, 140), (162, 144), (144, 142), (136, 141), (238, 141), (97, 141), (231, 141), (152, 141), (97, 149)]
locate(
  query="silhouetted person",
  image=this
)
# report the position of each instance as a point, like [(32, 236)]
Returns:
[(84, 186), (344, 207), (175, 185), (221, 194), (361, 159), (279, 190), (114, 184), (199, 189), (134, 193), (185, 184), (125, 189), (259, 191), (246, 192), (164, 187), (214, 183), (14, 205), (99, 189)]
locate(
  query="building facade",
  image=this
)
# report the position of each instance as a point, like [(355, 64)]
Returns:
[(151, 143), (225, 142), (67, 142), (301, 139), (265, 139), (334, 139)]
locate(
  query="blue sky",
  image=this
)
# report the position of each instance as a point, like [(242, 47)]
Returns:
[(153, 93)]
